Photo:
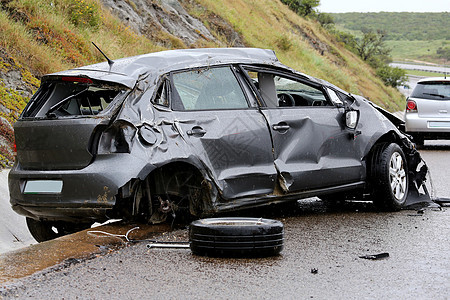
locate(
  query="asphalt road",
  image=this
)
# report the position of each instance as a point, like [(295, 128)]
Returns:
[(321, 259), (429, 68)]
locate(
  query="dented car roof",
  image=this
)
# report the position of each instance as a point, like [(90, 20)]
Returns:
[(128, 71)]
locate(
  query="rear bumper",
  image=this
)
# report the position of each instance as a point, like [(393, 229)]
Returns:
[(416, 124), (87, 194)]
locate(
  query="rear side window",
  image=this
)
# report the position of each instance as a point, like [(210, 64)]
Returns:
[(65, 99), (206, 89), (433, 90)]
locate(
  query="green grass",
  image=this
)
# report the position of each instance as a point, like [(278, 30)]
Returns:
[(424, 73), (406, 50), (415, 50)]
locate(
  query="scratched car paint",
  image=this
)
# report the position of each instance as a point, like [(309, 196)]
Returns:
[(198, 132)]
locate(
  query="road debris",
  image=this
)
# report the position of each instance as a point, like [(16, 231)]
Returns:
[(177, 245), (375, 256), (99, 233)]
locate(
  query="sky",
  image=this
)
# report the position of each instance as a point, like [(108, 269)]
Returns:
[(337, 6)]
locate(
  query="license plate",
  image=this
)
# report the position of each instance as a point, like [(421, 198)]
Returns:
[(439, 124), (43, 187)]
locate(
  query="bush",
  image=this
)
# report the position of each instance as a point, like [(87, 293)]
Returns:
[(83, 13), (325, 20), (443, 52), (284, 43), (392, 76), (302, 7)]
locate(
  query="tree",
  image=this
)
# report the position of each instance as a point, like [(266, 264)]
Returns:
[(371, 48), (392, 76), (348, 39), (302, 7), (443, 52), (326, 20)]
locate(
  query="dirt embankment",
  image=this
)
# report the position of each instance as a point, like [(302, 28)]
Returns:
[(16, 87), (170, 24)]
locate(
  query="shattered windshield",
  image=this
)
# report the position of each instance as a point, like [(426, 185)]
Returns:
[(432, 90), (64, 99)]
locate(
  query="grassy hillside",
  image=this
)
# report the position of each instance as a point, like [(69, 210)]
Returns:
[(399, 25), (420, 50), (40, 36), (413, 36), (301, 44), (46, 36)]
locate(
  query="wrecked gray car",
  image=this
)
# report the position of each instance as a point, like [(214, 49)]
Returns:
[(198, 132)]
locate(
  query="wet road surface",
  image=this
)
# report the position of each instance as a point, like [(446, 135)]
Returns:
[(321, 258), (428, 68), (417, 266)]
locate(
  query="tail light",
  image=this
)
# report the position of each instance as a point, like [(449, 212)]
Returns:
[(76, 79), (15, 149), (117, 139), (411, 106)]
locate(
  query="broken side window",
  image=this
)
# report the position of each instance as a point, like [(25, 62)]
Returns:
[(345, 98), (283, 91), (161, 97), (334, 97), (209, 88)]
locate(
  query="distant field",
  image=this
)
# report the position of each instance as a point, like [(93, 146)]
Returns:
[(420, 50), (410, 50), (423, 73), (410, 35), (399, 26)]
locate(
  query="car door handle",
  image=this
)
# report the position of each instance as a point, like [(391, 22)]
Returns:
[(281, 127), (196, 131)]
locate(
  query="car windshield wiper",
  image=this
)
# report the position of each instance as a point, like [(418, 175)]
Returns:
[(432, 94), (58, 105)]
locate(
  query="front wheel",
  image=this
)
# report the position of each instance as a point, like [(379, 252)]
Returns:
[(390, 178)]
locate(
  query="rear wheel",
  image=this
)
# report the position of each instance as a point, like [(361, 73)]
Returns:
[(179, 195), (46, 230), (390, 178)]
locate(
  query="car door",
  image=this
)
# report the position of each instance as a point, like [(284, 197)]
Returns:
[(312, 147), (224, 130)]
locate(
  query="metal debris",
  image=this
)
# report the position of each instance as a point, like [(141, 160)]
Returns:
[(169, 245), (376, 256)]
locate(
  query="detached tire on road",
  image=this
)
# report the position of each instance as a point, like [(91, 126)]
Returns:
[(236, 237)]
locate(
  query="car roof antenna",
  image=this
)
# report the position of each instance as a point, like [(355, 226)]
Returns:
[(110, 62)]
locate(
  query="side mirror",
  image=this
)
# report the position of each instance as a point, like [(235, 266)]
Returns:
[(351, 118)]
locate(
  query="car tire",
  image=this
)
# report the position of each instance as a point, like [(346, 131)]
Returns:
[(45, 230), (390, 178), (236, 237)]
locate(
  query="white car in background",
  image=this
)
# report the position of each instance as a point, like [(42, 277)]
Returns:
[(428, 110)]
